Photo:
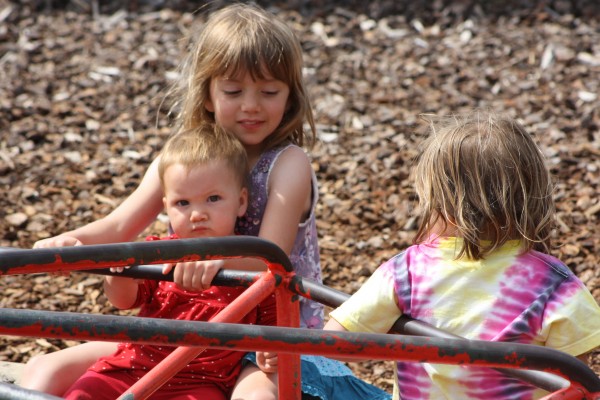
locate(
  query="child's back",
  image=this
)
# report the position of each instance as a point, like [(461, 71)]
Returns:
[(528, 298), (486, 200)]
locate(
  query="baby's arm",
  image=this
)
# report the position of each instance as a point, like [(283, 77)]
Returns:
[(124, 223), (120, 291)]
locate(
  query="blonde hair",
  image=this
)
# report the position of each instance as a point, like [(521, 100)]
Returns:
[(245, 38), (201, 145), (484, 176)]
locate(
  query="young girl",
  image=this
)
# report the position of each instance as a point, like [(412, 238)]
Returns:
[(476, 269), (203, 176), (245, 74)]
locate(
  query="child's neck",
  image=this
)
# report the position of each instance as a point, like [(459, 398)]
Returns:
[(443, 228), (254, 153), (449, 229)]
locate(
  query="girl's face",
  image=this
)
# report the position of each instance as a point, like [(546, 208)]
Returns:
[(203, 201), (250, 109)]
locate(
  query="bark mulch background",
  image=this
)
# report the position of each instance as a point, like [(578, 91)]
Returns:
[(82, 114)]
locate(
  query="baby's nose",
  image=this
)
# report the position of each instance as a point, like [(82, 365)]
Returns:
[(198, 215)]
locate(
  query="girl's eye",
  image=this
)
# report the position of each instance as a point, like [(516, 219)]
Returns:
[(182, 203), (271, 92), (231, 92), (214, 198)]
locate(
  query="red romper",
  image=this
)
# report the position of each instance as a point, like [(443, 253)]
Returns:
[(209, 376)]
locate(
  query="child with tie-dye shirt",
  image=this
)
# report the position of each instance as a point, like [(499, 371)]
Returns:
[(479, 267)]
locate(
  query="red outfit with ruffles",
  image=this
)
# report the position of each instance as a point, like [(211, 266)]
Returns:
[(212, 374)]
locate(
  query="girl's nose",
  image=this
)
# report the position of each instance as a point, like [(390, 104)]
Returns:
[(250, 103)]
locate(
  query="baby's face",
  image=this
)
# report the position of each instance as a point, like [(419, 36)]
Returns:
[(203, 201)]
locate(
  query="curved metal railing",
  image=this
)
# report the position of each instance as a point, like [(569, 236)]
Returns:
[(527, 362)]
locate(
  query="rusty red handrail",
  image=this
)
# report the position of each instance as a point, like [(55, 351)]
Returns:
[(62, 259), (584, 383), (52, 324)]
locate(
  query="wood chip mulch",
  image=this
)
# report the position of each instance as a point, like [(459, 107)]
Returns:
[(82, 85)]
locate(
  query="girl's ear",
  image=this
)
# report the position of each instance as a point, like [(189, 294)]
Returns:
[(209, 106), (243, 202)]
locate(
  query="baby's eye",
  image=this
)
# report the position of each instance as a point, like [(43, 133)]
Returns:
[(214, 198), (182, 203)]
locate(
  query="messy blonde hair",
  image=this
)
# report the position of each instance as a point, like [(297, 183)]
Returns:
[(201, 145), (244, 38), (484, 176)]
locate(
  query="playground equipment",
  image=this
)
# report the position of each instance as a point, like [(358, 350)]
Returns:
[(416, 341)]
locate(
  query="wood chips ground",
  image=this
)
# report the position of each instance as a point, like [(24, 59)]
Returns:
[(82, 85)]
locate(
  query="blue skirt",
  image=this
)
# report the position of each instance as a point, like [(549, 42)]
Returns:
[(329, 379)]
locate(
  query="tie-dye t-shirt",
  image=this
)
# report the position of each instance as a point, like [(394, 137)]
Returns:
[(510, 296)]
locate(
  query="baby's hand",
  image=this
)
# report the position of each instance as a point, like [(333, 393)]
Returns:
[(194, 275), (118, 269), (266, 361)]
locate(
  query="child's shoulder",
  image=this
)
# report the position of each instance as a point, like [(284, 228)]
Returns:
[(283, 151), (290, 159), (551, 263), (290, 150)]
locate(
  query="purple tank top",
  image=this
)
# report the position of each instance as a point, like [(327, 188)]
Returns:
[(305, 253)]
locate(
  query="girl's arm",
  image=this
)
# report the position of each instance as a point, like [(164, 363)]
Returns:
[(290, 198), (290, 193), (124, 223), (333, 325)]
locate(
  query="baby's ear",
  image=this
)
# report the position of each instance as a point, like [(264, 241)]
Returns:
[(243, 202)]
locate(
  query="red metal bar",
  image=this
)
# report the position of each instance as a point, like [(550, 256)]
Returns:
[(182, 356), (64, 259), (299, 341), (20, 261), (582, 387), (574, 392), (334, 298), (288, 314)]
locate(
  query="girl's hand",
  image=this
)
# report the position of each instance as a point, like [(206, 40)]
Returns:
[(266, 361), (194, 275), (57, 241)]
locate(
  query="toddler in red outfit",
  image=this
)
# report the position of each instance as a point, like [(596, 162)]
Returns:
[(203, 174)]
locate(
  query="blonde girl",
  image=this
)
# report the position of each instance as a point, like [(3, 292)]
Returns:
[(244, 73), (479, 267)]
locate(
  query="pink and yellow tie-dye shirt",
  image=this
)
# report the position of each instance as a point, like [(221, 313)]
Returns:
[(510, 296)]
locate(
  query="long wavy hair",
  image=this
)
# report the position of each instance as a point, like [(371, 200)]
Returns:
[(484, 176), (244, 38)]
